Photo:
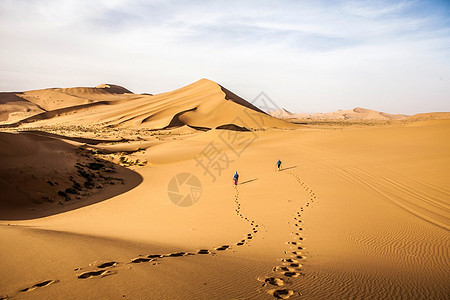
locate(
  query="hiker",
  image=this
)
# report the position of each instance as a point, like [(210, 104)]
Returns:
[(235, 178), (279, 164)]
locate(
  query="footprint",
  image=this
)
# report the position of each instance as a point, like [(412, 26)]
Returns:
[(283, 269), (154, 256), (38, 285), (90, 274), (204, 251), (281, 294), (291, 274), (107, 264), (273, 281), (222, 248), (240, 244), (139, 260), (289, 260), (177, 254)]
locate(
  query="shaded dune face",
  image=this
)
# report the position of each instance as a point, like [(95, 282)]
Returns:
[(202, 105), (41, 175)]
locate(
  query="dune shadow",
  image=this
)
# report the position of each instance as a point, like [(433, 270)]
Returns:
[(75, 139), (288, 168), (86, 181), (248, 181)]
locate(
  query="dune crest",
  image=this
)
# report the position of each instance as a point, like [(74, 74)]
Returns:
[(203, 104)]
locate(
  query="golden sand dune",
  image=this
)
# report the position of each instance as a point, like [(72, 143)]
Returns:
[(13, 107), (356, 211), (357, 113), (430, 116), (202, 105)]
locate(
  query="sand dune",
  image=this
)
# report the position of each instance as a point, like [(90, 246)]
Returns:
[(13, 108), (430, 116), (202, 105), (357, 113), (41, 174), (149, 210)]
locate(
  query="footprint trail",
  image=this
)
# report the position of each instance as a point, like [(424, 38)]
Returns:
[(291, 267), (103, 269)]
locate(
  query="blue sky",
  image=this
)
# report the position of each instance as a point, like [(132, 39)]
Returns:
[(307, 56)]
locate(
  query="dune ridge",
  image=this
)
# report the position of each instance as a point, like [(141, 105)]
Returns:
[(203, 104)]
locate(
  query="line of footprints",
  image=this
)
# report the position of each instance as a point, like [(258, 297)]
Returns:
[(111, 267), (291, 266)]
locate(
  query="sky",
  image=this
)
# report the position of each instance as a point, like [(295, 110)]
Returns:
[(306, 56)]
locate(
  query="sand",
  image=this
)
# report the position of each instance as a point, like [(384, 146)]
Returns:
[(357, 211)]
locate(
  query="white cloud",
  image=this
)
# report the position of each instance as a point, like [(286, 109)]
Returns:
[(307, 55)]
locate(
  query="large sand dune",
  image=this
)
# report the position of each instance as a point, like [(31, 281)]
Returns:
[(356, 212), (202, 105)]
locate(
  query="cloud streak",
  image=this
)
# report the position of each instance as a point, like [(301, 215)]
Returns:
[(307, 55)]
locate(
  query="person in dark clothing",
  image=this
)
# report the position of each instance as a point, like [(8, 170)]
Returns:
[(279, 165), (236, 178)]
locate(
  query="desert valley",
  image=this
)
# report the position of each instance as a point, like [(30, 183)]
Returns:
[(107, 194)]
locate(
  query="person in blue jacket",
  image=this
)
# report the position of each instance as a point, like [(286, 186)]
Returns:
[(236, 178), (279, 164)]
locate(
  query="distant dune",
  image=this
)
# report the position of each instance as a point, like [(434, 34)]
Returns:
[(357, 113), (430, 116)]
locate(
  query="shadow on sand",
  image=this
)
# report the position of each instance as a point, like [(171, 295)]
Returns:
[(288, 168), (248, 181), (18, 200)]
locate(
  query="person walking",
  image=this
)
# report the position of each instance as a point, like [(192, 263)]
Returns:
[(279, 164), (236, 178)]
